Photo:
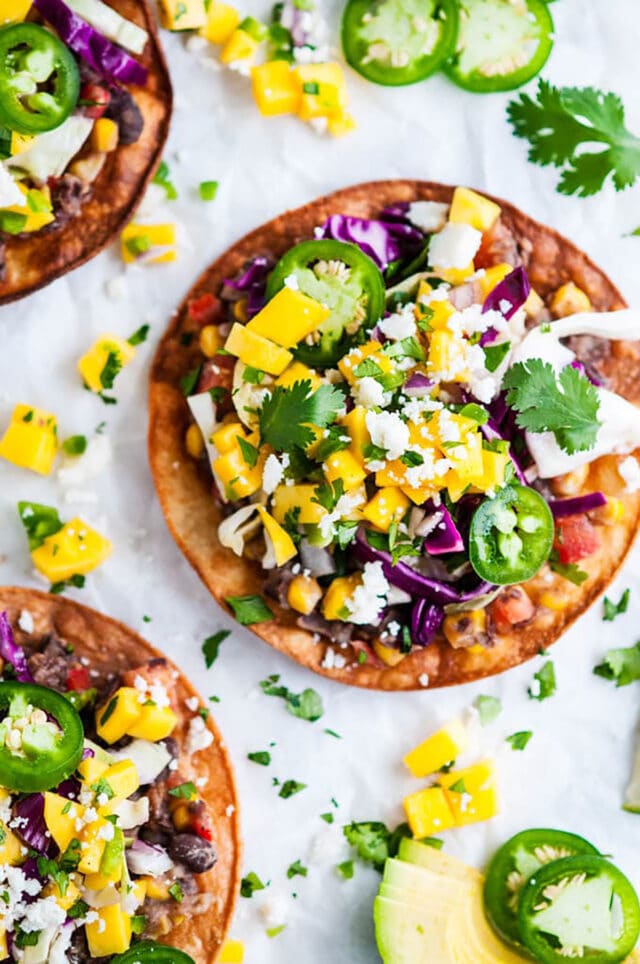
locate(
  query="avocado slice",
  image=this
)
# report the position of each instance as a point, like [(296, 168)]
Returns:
[(113, 854), (406, 934)]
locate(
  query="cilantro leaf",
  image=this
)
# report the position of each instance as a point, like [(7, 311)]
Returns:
[(75, 445), (519, 740), (335, 441), (374, 842), (290, 787), (296, 869), (112, 367), (565, 404), (250, 884), (305, 706), (544, 684), (40, 521), (186, 791), (139, 336), (568, 570), (328, 494), (249, 609), (560, 122), (211, 646), (261, 757), (249, 452), (346, 869), (494, 355), (611, 610), (288, 415), (621, 665)]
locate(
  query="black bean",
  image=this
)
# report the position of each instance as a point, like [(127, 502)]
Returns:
[(195, 853)]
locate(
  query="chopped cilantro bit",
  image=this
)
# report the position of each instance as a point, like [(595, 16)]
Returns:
[(28, 417), (336, 440), (261, 757), (489, 708), (249, 452), (494, 355), (611, 610), (208, 190), (327, 817), (139, 336), (162, 175), (75, 445), (458, 787), (296, 870), (328, 494), (333, 733), (176, 892), (374, 842), (79, 909), (306, 705), (621, 665), (412, 459), (186, 791), (290, 787), (346, 869), (274, 931), (362, 657), (77, 581), (138, 923), (249, 610), (519, 740), (287, 415), (189, 381), (568, 570), (39, 521), (252, 375), (211, 646), (102, 786), (344, 533), (250, 884), (546, 682)]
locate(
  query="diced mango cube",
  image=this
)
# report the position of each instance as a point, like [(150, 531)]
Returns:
[(440, 748), (493, 276), (282, 543), (569, 299), (137, 240), (92, 847), (287, 498), (36, 212), (356, 426), (183, 14), (428, 812), (10, 848), (60, 816), (341, 123), (92, 769), (447, 356), (303, 594), (104, 136), (343, 465), (494, 465), (236, 476), (468, 207), (472, 793), (110, 933), (123, 779), (225, 439), (466, 458), (118, 714), (100, 365), (288, 318), (456, 276), (334, 602), (30, 440), (20, 142), (255, 350), (440, 310), (66, 900), (324, 91), (388, 505), (275, 88), (299, 372), (239, 46), (222, 20), (154, 723), (232, 953), (75, 550)]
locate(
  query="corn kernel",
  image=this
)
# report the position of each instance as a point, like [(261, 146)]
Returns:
[(210, 340), (304, 594), (194, 442), (181, 816), (104, 136), (387, 654), (240, 311), (569, 299), (460, 628), (553, 602)]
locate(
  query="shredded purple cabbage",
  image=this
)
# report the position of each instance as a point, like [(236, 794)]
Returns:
[(426, 620), (100, 54), (252, 283), (509, 295), (11, 652), (445, 537), (382, 241), (34, 829), (577, 505), (396, 212)]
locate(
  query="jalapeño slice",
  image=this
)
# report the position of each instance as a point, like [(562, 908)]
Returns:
[(511, 536), (579, 907), (48, 741), (39, 79), (511, 867), (342, 277), (150, 951), (398, 42), (500, 44)]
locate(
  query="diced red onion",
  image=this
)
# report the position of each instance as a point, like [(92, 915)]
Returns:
[(417, 385), (577, 505), (11, 652), (148, 859), (34, 830), (444, 537), (100, 54), (426, 620)]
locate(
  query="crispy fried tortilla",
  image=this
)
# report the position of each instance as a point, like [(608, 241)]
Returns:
[(185, 487), (112, 647), (35, 260)]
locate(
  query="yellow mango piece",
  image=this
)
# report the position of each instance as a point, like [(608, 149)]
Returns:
[(155, 889), (30, 440), (66, 900), (428, 812), (388, 655), (352, 359), (492, 277), (238, 479), (288, 318), (123, 779), (239, 46), (109, 351), (287, 498), (110, 933), (232, 952), (14, 10), (356, 426), (447, 356), (20, 142), (255, 350), (299, 372), (324, 91), (440, 748), (468, 207), (477, 798), (118, 714), (456, 276), (494, 465), (91, 847), (138, 239), (92, 769), (60, 818), (154, 723), (334, 602), (36, 212), (104, 136), (283, 545), (222, 20), (303, 594), (393, 474), (534, 304), (388, 505), (75, 550), (420, 495), (225, 439), (275, 88), (341, 123), (343, 465), (99, 881), (11, 848), (569, 299), (183, 14)]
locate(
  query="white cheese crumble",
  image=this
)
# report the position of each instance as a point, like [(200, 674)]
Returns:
[(629, 469), (199, 736), (291, 281), (333, 660), (423, 679), (344, 507), (455, 246), (368, 599), (25, 621), (192, 703), (428, 215), (369, 393), (389, 432), (401, 324), (273, 472)]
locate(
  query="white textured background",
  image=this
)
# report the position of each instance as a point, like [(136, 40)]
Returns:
[(573, 772)]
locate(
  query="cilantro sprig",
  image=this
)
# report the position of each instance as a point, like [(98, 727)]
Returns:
[(620, 665), (288, 415), (566, 404), (581, 131)]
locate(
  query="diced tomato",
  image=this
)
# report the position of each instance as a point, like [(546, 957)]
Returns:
[(78, 678), (576, 538), (203, 309), (95, 99), (498, 246), (512, 608), (202, 827), (218, 373)]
